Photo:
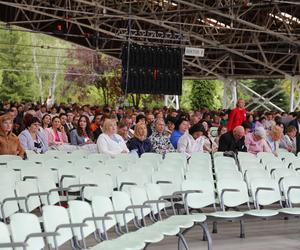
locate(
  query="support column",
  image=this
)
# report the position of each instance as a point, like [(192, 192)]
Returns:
[(230, 93), (172, 101), (294, 93)]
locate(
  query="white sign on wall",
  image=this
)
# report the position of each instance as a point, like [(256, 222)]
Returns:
[(191, 51)]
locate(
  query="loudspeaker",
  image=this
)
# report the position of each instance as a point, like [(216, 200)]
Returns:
[(151, 70)]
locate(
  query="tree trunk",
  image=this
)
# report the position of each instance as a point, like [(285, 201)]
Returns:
[(37, 72), (53, 85)]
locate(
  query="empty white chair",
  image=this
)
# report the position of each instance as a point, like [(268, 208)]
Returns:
[(4, 159), (18, 165), (4, 236), (146, 167), (225, 174), (23, 226), (80, 153), (8, 201), (48, 186), (169, 181), (112, 170), (102, 158), (81, 212), (199, 174), (291, 189), (265, 191), (102, 206), (56, 219), (253, 173), (195, 163), (56, 153), (8, 176), (174, 156), (172, 165), (29, 189), (280, 173), (103, 185), (131, 178), (54, 165), (154, 193), (272, 165), (152, 157)]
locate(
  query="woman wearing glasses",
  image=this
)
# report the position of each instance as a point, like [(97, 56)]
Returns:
[(32, 138)]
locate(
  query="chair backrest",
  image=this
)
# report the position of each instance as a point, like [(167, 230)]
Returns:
[(199, 200), (232, 198), (147, 167), (76, 172), (80, 210), (53, 216), (138, 197), (45, 185), (221, 160), (286, 156), (4, 235), (54, 165), (121, 200), (227, 165), (56, 153), (23, 189), (40, 158), (4, 159), (195, 163), (87, 163), (102, 205), (279, 173), (199, 174), (111, 170), (154, 193), (170, 181), (8, 176), (19, 165), (246, 165), (256, 173), (225, 174), (272, 165), (10, 207), (200, 156), (104, 185), (80, 153), (173, 164), (38, 172), (265, 197), (153, 157), (101, 158), (136, 177), (23, 224), (261, 155), (294, 194)]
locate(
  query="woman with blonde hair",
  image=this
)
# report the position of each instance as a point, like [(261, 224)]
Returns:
[(109, 142), (140, 143), (273, 138)]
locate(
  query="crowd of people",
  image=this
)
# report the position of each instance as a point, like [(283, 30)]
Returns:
[(119, 130)]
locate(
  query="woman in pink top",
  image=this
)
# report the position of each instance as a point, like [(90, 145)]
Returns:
[(255, 142), (56, 135)]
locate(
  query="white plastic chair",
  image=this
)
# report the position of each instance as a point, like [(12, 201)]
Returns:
[(25, 227), (102, 158), (56, 219), (169, 181), (199, 174), (29, 189), (102, 206), (81, 212), (291, 189), (225, 174), (8, 201), (127, 179), (103, 185), (113, 171)]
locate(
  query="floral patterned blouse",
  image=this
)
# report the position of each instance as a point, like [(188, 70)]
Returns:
[(161, 143)]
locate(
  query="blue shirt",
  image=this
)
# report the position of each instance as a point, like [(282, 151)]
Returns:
[(176, 134)]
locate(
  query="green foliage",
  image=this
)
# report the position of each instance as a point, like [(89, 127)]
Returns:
[(17, 83), (262, 86), (204, 94)]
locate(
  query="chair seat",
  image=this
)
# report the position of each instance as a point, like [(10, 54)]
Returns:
[(195, 217), (262, 212), (183, 221), (226, 214), (144, 235), (290, 210), (164, 228), (119, 243)]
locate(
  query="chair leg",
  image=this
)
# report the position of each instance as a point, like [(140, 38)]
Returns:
[(183, 240), (215, 229), (207, 235), (242, 229)]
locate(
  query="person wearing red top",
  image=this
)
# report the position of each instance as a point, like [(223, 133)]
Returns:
[(237, 116)]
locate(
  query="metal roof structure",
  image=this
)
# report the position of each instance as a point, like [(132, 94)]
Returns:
[(242, 38)]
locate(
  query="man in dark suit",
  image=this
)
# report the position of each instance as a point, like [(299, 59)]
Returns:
[(233, 140), (296, 124)]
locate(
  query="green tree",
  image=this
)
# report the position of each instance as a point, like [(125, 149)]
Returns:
[(262, 86), (17, 76), (204, 94)]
